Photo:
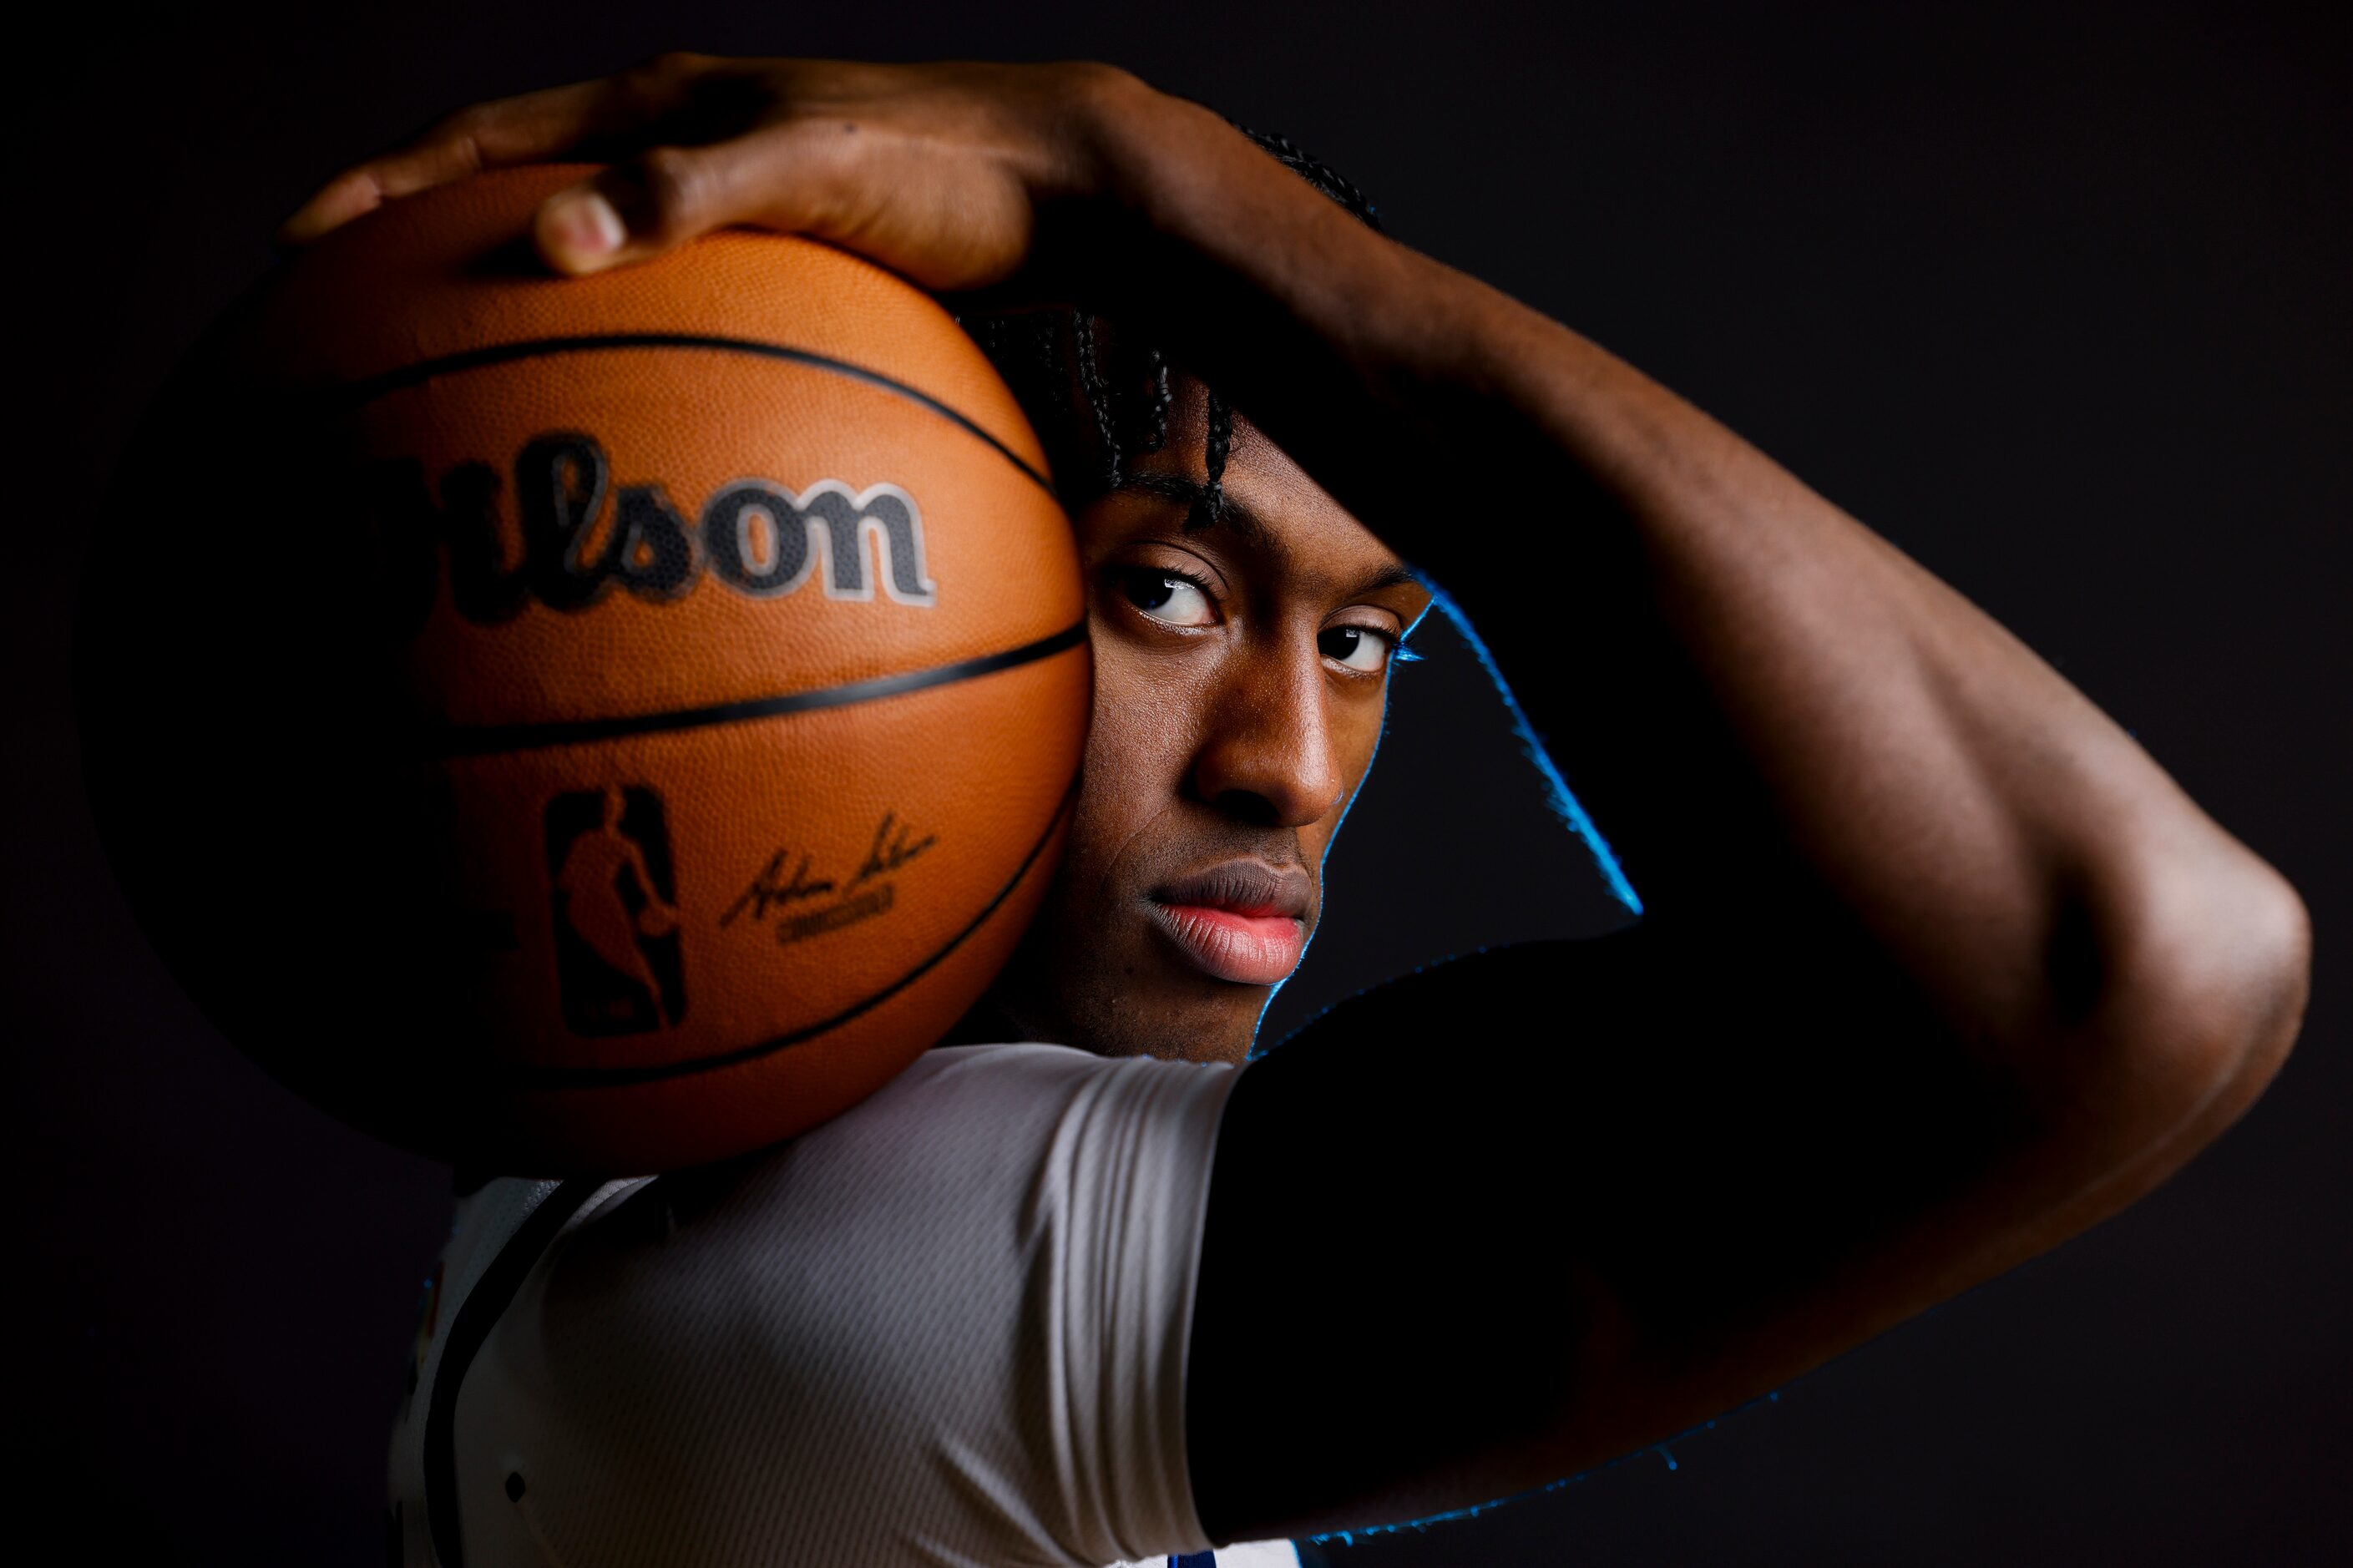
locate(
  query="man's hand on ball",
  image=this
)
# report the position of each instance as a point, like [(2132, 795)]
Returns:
[(938, 172)]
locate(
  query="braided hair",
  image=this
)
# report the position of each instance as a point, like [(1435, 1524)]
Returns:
[(1058, 361)]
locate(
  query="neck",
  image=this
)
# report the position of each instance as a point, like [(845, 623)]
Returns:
[(987, 1024)]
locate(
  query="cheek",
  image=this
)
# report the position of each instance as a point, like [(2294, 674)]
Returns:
[(1356, 731), (1139, 743)]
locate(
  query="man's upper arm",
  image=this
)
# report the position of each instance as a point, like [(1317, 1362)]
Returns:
[(1565, 1200)]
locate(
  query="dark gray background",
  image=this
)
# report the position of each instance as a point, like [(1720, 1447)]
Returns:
[(2054, 298)]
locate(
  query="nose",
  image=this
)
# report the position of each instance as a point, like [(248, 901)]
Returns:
[(1265, 755)]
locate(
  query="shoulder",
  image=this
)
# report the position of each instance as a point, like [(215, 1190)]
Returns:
[(938, 1310), (936, 1203)]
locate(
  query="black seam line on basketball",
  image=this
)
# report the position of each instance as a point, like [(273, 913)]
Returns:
[(488, 739), (622, 1077), (359, 392), (469, 1329)]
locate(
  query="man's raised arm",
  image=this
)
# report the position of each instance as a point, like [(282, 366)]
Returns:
[(1937, 967)]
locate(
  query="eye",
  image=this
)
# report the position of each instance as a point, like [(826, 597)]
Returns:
[(1168, 596), (1355, 647)]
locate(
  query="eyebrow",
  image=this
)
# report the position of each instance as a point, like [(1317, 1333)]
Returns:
[(1397, 574), (1228, 513), (1245, 524)]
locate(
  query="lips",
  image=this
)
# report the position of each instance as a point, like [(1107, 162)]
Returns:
[(1241, 922)]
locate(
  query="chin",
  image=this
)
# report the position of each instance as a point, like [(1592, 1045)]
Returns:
[(1185, 1021), (1173, 1021), (1122, 994)]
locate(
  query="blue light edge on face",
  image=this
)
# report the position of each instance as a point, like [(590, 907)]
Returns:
[(1557, 795)]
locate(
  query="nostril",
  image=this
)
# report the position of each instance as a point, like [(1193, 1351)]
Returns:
[(1250, 807)]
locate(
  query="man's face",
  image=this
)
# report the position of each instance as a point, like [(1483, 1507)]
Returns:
[(1240, 672)]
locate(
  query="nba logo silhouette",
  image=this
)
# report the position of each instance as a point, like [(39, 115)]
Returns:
[(615, 910)]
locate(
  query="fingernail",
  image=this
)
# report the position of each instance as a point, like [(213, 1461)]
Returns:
[(585, 225)]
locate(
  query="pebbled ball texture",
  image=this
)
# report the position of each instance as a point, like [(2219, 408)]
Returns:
[(588, 725)]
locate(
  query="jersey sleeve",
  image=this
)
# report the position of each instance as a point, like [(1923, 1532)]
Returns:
[(948, 1327)]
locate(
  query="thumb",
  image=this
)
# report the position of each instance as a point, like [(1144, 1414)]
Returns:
[(635, 211)]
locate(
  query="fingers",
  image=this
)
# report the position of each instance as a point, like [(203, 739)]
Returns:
[(638, 210), (440, 156), (908, 167), (535, 127)]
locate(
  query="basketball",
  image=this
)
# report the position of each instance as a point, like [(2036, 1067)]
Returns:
[(582, 725)]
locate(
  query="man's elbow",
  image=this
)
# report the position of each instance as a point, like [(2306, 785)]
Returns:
[(2204, 1002)]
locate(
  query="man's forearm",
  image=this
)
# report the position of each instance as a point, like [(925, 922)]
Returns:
[(1757, 697)]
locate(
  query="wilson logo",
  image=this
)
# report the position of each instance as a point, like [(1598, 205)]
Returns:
[(576, 536)]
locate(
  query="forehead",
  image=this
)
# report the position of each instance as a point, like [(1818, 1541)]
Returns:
[(1274, 510)]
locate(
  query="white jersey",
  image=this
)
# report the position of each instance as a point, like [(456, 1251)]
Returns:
[(947, 1328)]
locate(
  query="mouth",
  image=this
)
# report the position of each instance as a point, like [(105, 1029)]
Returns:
[(1241, 922)]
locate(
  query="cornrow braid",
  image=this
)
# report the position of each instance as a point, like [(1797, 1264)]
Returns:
[(1156, 376), (1107, 372), (1337, 186), (1221, 442), (1098, 394), (1047, 343), (1025, 353)]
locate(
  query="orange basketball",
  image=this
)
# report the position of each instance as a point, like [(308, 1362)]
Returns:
[(583, 725)]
